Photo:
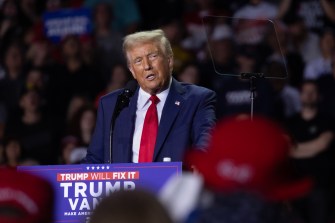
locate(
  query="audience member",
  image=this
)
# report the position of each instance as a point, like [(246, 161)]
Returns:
[(287, 99), (322, 64), (235, 93), (313, 155), (118, 78), (251, 21), (53, 5), (11, 85), (82, 125), (35, 79), (40, 54), (29, 11), (126, 14), (25, 198), (189, 73), (80, 131), (72, 77), (315, 14), (220, 59), (76, 70), (13, 153), (108, 41), (246, 175), (9, 16), (257, 9), (71, 151), (76, 103), (10, 22), (175, 31), (195, 39), (132, 206), (302, 40), (67, 145), (88, 48), (277, 39), (33, 128)]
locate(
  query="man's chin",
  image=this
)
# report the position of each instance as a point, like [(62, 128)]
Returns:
[(152, 89)]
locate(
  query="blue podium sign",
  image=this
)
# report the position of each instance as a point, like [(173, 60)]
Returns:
[(79, 188)]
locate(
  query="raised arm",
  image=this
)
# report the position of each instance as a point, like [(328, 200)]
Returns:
[(313, 147)]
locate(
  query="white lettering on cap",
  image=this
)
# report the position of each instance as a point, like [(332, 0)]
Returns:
[(8, 194), (231, 171)]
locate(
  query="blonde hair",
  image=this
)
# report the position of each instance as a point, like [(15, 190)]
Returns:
[(156, 36)]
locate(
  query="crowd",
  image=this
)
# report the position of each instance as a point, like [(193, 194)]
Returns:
[(49, 91)]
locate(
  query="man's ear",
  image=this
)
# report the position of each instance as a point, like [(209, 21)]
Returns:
[(171, 63), (131, 71)]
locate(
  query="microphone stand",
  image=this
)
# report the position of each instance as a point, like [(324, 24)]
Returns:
[(122, 101), (252, 77)]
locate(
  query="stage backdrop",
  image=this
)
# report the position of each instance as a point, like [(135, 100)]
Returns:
[(79, 188)]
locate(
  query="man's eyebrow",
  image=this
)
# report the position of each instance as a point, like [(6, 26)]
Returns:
[(137, 58), (148, 54), (156, 51)]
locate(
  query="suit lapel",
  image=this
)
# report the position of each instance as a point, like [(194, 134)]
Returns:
[(171, 108), (126, 125)]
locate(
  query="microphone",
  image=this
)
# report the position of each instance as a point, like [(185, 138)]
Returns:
[(124, 98), (128, 92), (122, 101)]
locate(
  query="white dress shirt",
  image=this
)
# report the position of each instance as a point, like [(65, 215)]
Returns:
[(143, 104)]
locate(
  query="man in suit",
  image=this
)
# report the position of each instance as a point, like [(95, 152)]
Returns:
[(185, 113)]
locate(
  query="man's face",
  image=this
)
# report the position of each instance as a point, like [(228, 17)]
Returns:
[(150, 67)]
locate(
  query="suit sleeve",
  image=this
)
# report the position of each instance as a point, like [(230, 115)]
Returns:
[(204, 119), (95, 152)]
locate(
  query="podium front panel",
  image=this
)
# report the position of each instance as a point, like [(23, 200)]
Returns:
[(79, 188)]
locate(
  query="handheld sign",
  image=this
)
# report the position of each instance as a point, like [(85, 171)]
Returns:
[(65, 22)]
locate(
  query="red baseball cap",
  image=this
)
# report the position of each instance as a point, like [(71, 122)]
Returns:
[(24, 198), (249, 155)]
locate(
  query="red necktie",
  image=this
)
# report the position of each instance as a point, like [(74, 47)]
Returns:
[(149, 132)]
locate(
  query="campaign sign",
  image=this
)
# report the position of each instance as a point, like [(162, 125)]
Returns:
[(79, 188), (64, 22)]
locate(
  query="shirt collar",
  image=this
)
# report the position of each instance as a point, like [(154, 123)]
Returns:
[(143, 97)]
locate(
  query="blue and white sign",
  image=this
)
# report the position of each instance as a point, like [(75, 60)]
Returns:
[(66, 22), (79, 188)]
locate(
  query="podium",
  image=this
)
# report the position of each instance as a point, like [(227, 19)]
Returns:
[(79, 188)]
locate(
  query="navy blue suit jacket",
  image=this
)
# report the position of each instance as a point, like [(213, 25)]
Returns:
[(187, 119)]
